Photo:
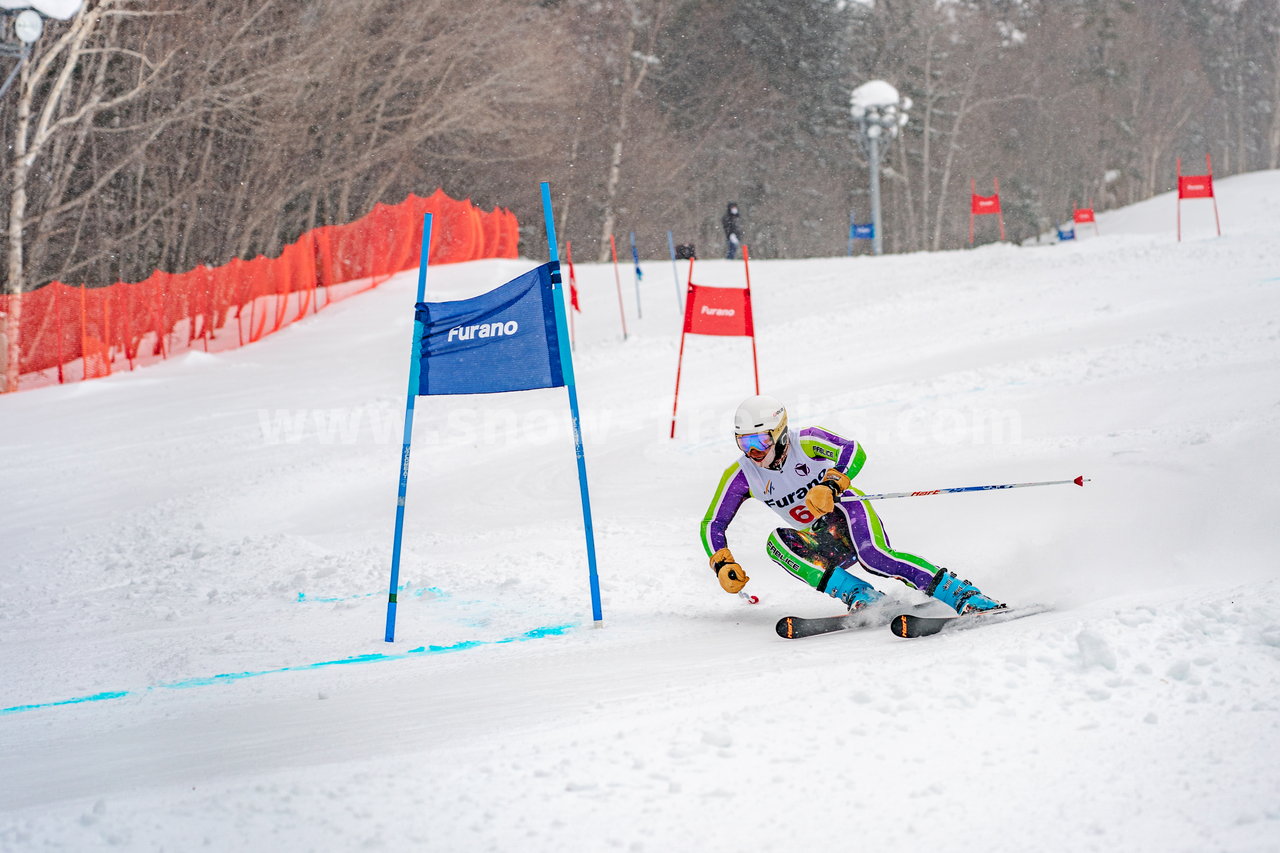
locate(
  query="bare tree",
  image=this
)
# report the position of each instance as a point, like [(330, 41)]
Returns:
[(60, 93), (170, 133)]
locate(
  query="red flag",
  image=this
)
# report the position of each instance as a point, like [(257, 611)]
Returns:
[(573, 279), (1084, 214), (718, 311), (985, 204), (1195, 186)]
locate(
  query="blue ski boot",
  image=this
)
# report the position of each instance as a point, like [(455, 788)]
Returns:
[(853, 591), (960, 595)]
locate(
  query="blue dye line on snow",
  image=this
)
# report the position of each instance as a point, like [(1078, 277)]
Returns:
[(228, 677), (434, 592), (97, 697)]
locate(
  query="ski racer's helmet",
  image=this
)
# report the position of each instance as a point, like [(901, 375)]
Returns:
[(760, 426)]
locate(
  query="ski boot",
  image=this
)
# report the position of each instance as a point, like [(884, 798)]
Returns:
[(853, 591), (958, 594)]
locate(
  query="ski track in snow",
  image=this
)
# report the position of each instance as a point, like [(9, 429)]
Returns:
[(209, 539)]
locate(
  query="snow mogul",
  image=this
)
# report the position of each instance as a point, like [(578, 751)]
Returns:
[(802, 476)]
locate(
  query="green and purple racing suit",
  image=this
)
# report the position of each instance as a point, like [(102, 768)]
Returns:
[(807, 548)]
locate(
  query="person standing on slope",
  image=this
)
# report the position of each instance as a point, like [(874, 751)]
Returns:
[(801, 476), (731, 222)]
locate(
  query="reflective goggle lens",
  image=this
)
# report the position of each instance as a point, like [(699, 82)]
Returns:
[(760, 442)]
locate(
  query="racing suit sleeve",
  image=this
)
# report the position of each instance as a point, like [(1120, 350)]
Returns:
[(730, 495), (845, 454)]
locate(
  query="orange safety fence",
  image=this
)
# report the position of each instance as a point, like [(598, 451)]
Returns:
[(69, 333)]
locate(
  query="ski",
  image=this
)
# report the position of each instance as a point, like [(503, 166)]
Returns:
[(797, 627), (916, 625)]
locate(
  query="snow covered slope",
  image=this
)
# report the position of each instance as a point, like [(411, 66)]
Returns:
[(195, 560)]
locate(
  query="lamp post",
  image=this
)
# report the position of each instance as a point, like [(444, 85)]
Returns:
[(27, 27), (28, 24), (22, 25), (879, 113)]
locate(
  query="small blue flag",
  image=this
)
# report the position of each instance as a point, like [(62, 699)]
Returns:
[(503, 340), (1066, 234), (863, 232), (635, 257)]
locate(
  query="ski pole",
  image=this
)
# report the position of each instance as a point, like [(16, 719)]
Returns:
[(748, 597), (1079, 481)]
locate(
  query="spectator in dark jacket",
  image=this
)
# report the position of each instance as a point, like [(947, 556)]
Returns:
[(732, 225)]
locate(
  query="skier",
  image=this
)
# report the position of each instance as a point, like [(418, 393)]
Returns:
[(801, 476), (732, 225)]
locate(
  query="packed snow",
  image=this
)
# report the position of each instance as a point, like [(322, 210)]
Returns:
[(197, 554)]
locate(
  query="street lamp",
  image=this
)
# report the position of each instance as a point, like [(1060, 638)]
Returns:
[(28, 24), (21, 25), (879, 112)]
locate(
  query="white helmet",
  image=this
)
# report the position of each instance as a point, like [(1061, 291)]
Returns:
[(760, 426)]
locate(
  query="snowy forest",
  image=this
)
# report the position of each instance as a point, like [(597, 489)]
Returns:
[(165, 134)]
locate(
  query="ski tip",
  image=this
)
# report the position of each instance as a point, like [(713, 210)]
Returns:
[(786, 628), (900, 625)]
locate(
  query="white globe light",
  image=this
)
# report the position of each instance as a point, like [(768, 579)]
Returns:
[(28, 26), (874, 131), (62, 10)]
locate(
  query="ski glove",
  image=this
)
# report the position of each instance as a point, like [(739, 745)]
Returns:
[(821, 499), (731, 575)]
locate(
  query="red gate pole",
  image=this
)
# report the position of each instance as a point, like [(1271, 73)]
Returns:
[(613, 248), (751, 325), (684, 330), (568, 254)]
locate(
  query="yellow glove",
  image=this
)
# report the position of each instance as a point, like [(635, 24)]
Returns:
[(821, 499), (731, 576)]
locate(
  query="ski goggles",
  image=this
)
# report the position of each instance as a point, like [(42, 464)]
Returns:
[(755, 445)]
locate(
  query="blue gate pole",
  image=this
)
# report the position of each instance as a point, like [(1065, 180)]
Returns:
[(566, 367), (414, 366), (675, 273), (635, 259)]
